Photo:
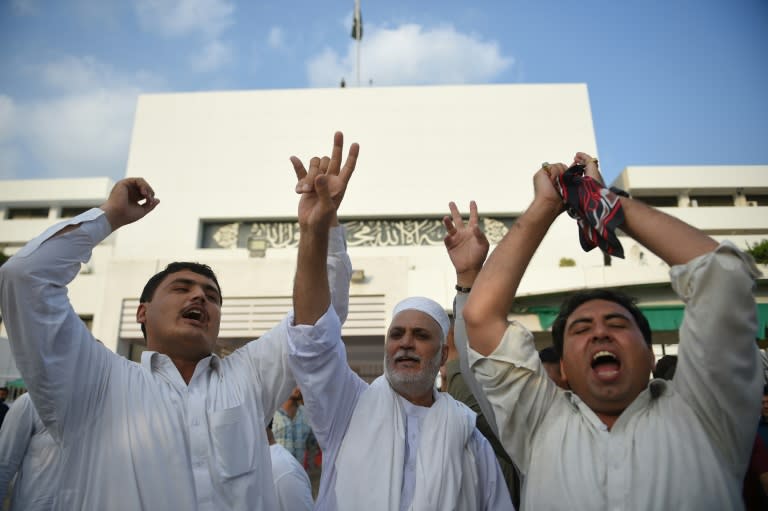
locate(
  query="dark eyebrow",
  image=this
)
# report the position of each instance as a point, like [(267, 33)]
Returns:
[(190, 282), (607, 317), (617, 315), (579, 320)]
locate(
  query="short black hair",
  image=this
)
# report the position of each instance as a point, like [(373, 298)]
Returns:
[(151, 286), (549, 355), (574, 301), (765, 390)]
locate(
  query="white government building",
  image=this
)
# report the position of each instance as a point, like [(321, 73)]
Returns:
[(219, 163)]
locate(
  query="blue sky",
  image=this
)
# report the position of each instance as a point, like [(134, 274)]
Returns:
[(671, 82)]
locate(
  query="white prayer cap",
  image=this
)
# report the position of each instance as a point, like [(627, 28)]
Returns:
[(428, 307)]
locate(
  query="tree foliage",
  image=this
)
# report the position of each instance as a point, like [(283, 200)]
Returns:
[(759, 251)]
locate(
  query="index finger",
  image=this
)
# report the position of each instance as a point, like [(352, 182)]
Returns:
[(455, 215), (145, 190)]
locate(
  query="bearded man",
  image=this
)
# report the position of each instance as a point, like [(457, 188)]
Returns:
[(396, 444)]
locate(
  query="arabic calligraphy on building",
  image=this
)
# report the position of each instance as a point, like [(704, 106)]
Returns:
[(360, 233)]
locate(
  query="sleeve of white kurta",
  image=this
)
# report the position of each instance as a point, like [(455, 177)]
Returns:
[(519, 390), (63, 368), (339, 271), (462, 344), (330, 388), (268, 356), (492, 489), (718, 370), (15, 434)]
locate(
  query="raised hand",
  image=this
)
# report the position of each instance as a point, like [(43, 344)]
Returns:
[(131, 199), (338, 175), (545, 188), (591, 168), (317, 210), (467, 245)]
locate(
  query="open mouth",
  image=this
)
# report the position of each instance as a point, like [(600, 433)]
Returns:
[(606, 365), (407, 360), (195, 314)]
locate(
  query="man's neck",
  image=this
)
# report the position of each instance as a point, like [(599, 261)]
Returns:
[(290, 408), (608, 420), (186, 368), (185, 365)]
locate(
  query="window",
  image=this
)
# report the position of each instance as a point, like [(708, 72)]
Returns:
[(24, 213), (761, 200), (660, 201), (712, 200), (88, 320)]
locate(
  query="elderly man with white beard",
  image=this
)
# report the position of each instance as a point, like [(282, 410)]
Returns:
[(396, 444)]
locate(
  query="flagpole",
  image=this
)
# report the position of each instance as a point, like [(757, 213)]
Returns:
[(358, 28)]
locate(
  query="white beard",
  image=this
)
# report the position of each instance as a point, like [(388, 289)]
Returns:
[(412, 383)]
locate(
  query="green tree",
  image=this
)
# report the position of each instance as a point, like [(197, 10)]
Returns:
[(759, 251)]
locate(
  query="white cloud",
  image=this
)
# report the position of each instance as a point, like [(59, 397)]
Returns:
[(82, 129), (214, 55), (82, 135), (174, 18), (276, 38), (411, 54)]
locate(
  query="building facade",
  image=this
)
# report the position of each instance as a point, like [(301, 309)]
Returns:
[(219, 163)]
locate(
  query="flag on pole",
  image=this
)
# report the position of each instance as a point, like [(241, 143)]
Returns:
[(357, 23)]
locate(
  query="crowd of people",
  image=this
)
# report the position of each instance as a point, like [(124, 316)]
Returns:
[(578, 425)]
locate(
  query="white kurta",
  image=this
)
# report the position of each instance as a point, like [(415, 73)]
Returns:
[(136, 436), (29, 452), (682, 444), (292, 486), (331, 392)]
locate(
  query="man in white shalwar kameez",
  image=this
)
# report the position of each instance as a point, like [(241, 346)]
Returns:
[(396, 444), (614, 440), (184, 429)]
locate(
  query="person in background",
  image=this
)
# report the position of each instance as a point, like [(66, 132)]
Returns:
[(467, 247), (28, 452), (291, 427), (762, 425), (292, 487)]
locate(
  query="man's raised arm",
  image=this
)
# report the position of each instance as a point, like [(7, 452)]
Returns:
[(485, 313), (671, 239), (53, 349), (322, 189)]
